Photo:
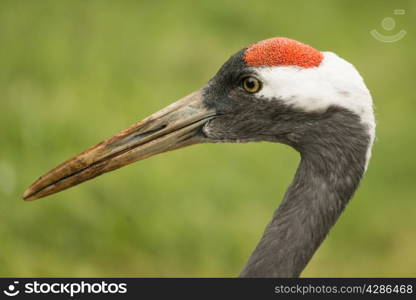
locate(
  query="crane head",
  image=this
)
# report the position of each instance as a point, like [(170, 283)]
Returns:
[(276, 90)]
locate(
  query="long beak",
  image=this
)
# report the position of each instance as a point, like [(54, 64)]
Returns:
[(173, 127)]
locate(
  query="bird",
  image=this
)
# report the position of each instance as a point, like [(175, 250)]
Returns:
[(276, 90)]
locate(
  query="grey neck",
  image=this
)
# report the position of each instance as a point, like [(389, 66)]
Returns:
[(329, 172)]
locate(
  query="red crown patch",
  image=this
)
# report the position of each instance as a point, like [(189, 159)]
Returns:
[(282, 51)]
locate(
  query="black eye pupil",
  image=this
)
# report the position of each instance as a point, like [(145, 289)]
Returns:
[(251, 83)]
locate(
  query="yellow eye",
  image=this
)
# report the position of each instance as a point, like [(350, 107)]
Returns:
[(251, 84)]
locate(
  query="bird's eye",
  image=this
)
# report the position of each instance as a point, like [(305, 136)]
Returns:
[(251, 84)]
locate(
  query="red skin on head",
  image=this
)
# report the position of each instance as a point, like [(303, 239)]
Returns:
[(282, 52)]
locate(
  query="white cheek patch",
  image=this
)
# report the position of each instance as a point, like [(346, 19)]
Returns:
[(334, 82)]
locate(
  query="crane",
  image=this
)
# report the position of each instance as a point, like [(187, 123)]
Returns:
[(276, 90)]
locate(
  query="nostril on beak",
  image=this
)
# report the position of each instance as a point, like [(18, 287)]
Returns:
[(146, 133)]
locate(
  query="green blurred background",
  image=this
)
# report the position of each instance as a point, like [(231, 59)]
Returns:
[(75, 72)]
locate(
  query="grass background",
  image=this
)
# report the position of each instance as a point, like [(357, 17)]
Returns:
[(75, 72)]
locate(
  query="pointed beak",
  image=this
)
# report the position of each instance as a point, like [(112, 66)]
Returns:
[(173, 127)]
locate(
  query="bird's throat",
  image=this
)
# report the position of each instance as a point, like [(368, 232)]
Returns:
[(330, 170)]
